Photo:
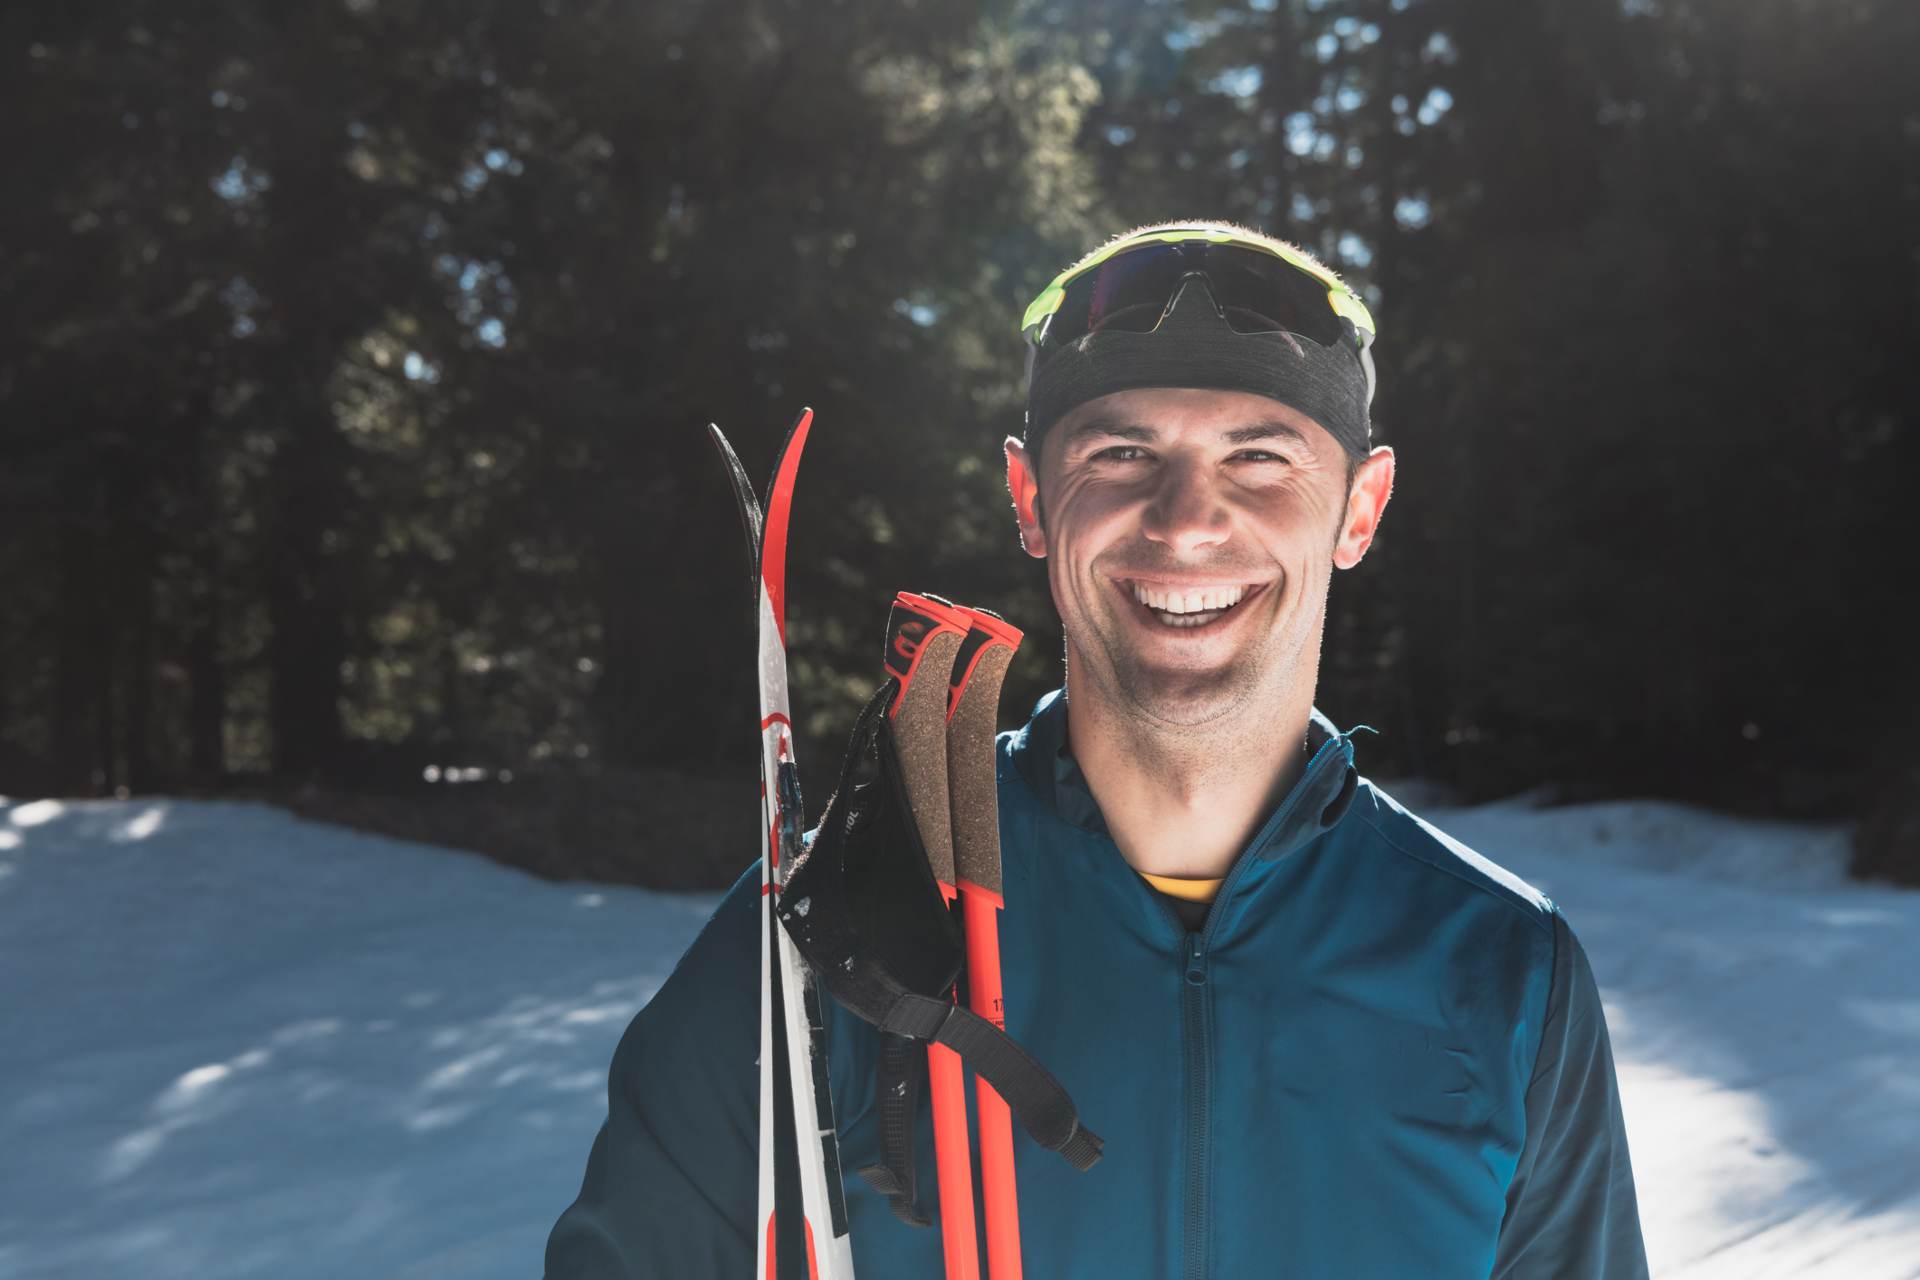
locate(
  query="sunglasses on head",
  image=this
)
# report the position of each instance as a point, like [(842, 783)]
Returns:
[(1254, 287)]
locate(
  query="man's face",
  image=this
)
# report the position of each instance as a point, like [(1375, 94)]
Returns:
[(1190, 539)]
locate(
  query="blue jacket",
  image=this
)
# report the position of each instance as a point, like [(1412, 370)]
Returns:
[(1380, 1056)]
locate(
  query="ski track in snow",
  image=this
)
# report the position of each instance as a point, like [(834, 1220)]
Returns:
[(241, 1044)]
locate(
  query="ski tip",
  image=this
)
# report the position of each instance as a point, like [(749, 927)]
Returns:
[(801, 423), (773, 542), (718, 439), (751, 519), (797, 432)]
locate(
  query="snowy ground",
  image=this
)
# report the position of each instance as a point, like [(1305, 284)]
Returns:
[(238, 1044), (1765, 1013)]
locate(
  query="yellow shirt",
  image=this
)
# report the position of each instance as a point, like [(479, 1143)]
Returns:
[(1185, 890)]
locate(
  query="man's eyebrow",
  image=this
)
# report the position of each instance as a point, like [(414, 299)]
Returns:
[(1272, 429), (1104, 426)]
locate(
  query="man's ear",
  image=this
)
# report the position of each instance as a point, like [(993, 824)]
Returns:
[(1372, 486), (1023, 482)]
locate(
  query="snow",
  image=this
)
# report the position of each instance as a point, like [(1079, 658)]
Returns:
[(1765, 1014), (240, 1044)]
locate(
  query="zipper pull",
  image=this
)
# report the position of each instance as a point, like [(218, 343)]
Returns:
[(1196, 962)]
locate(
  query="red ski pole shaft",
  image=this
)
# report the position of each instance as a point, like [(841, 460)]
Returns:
[(953, 1157), (997, 1184)]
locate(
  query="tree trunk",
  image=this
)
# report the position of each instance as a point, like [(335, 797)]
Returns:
[(207, 694), (305, 605), (76, 763), (137, 656)]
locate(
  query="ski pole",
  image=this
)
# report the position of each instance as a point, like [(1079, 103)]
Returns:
[(972, 713), (923, 635)]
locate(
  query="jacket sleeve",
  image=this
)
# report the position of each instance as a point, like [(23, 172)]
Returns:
[(1571, 1212), (670, 1182)]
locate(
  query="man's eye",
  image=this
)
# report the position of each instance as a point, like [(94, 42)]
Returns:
[(1259, 455), (1122, 453)]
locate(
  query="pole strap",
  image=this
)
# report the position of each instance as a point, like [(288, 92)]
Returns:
[(1034, 1096), (898, 1098)]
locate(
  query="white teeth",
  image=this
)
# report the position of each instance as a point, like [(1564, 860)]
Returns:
[(1202, 600)]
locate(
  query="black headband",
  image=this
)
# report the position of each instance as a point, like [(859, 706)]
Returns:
[(1194, 347)]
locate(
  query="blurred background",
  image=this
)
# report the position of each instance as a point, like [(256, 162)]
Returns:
[(357, 355)]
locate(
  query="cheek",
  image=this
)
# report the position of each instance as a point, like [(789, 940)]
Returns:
[(1298, 533), (1298, 516), (1094, 514)]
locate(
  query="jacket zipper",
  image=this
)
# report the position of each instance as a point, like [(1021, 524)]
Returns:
[(1198, 1036), (1196, 1030)]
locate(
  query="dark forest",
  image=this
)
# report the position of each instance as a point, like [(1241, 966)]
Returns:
[(357, 360)]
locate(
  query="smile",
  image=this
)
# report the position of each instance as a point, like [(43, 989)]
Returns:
[(1188, 606)]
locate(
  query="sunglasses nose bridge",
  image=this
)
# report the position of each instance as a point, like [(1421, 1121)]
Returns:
[(1179, 291)]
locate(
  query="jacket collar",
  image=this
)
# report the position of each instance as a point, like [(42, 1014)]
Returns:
[(1317, 802)]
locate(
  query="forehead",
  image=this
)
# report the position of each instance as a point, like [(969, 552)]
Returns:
[(1186, 416)]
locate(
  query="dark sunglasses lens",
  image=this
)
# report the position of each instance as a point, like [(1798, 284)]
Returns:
[(1127, 293), (1263, 294), (1258, 292)]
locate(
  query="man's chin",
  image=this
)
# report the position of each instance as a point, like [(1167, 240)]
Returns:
[(1185, 699)]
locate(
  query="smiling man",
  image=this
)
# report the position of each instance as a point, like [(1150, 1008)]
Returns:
[(1191, 536), (1319, 1037)]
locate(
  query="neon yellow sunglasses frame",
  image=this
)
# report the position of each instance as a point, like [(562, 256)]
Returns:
[(1344, 301)]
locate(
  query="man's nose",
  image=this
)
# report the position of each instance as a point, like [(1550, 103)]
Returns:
[(1186, 514)]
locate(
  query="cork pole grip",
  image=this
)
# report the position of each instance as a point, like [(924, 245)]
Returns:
[(920, 733), (971, 789)]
